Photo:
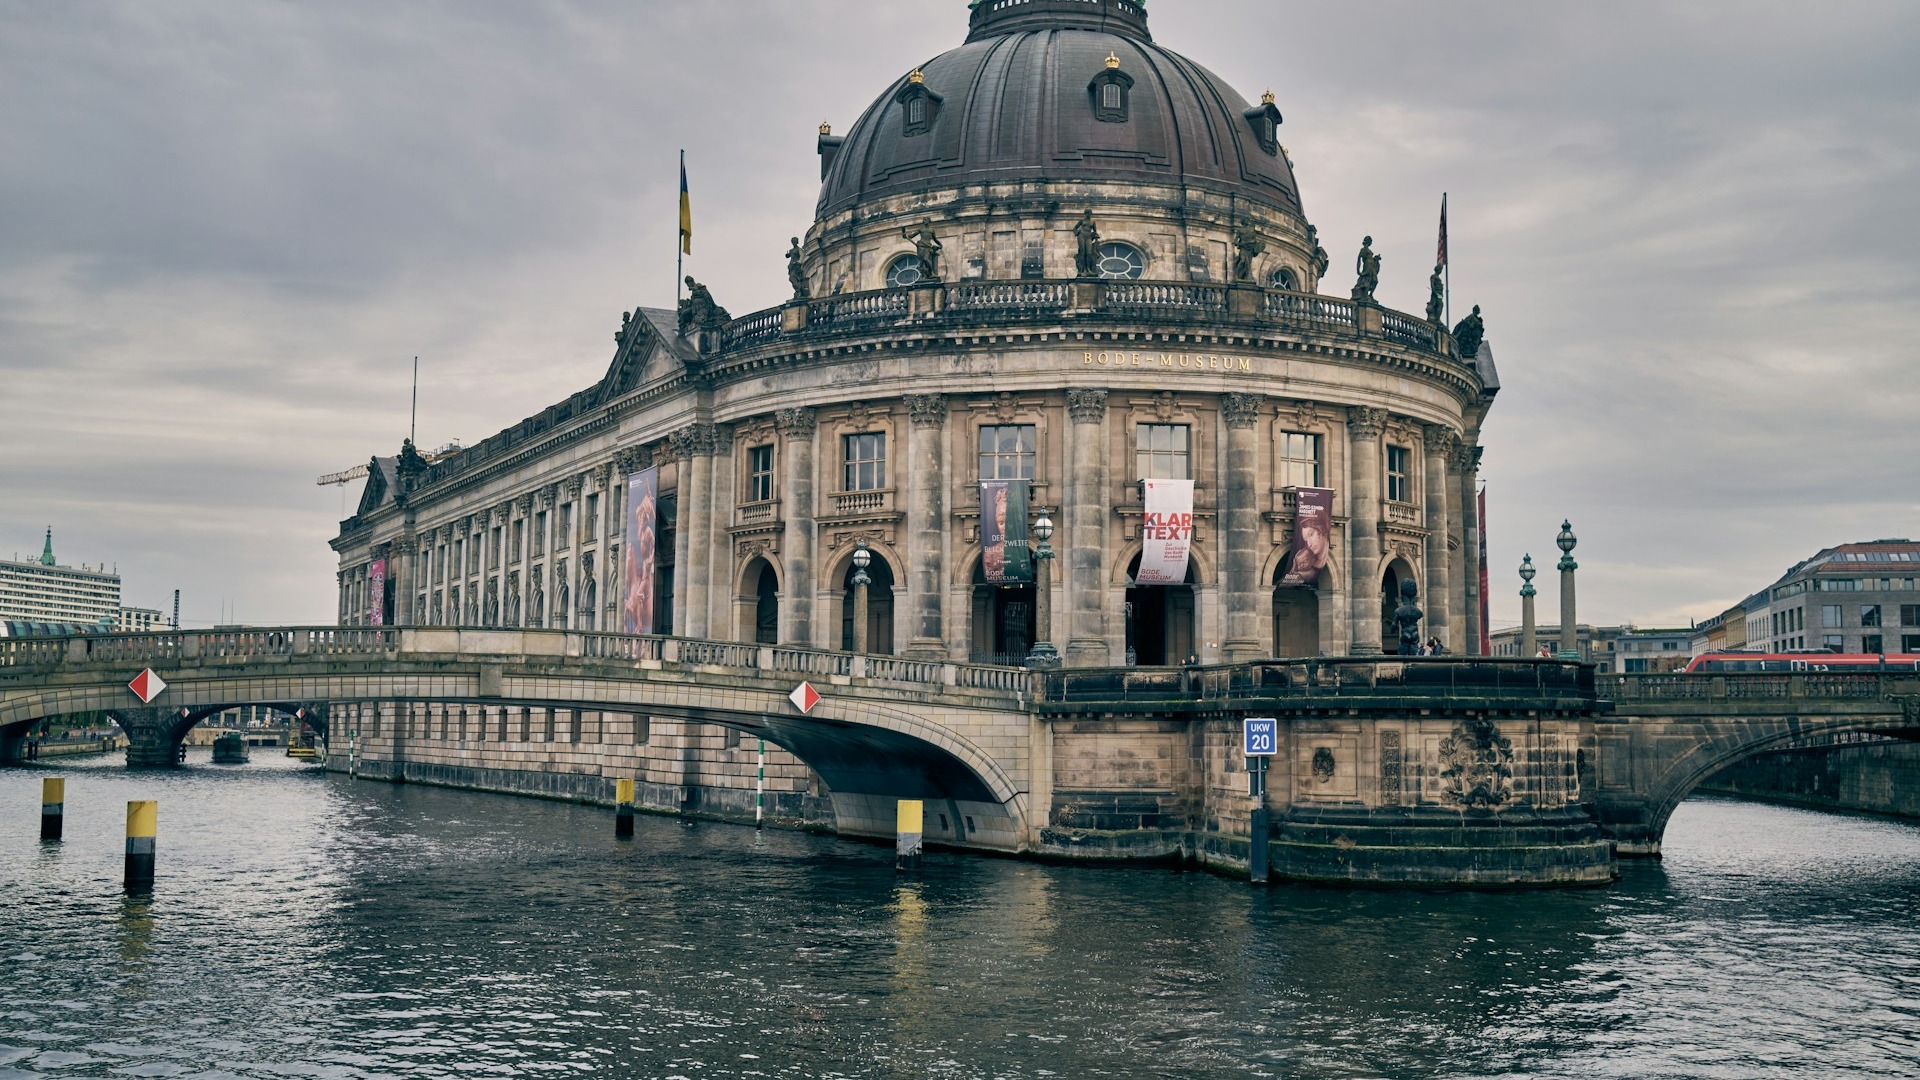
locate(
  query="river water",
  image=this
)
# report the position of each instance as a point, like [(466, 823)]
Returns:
[(313, 926)]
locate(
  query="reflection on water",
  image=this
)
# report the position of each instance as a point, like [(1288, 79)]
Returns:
[(315, 926)]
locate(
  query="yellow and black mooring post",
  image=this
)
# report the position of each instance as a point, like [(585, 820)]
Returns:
[(143, 818), (907, 834), (53, 807), (623, 809)]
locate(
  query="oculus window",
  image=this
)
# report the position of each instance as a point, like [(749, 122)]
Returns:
[(906, 270), (1117, 260)]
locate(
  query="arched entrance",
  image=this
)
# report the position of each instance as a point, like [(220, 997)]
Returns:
[(759, 603), (1296, 615), (1004, 621), (1160, 620), (879, 607), (1397, 572)]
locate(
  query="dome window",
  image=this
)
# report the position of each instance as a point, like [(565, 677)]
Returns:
[(1285, 278), (905, 270), (1120, 261), (919, 106), (1109, 92), (1265, 121)]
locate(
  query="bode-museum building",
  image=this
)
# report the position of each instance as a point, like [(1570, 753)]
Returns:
[(1058, 272)]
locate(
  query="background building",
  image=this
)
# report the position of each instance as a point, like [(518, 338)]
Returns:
[(1855, 598), (136, 620), (44, 591)]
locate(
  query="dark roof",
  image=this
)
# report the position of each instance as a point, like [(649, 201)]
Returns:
[(1015, 103)]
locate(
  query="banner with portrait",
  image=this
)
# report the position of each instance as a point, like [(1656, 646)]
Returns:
[(1005, 558), (377, 593), (1312, 537), (642, 533), (1167, 533)]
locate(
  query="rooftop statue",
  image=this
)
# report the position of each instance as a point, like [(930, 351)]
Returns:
[(1247, 246), (796, 273), (1469, 334), (1086, 257), (1367, 266), (1321, 260), (1436, 298), (927, 246), (698, 311)]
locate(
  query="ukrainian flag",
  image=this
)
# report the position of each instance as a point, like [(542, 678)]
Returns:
[(686, 210)]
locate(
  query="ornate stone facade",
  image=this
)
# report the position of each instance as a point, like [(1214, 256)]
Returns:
[(871, 407)]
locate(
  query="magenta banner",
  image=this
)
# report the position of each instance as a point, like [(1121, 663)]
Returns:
[(1312, 537), (377, 593), (636, 601)]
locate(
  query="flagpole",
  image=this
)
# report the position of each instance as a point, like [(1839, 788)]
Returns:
[(1447, 266), (679, 243)]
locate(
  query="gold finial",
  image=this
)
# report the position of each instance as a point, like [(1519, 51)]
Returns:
[(826, 128), (1112, 60), (1267, 98), (916, 76)]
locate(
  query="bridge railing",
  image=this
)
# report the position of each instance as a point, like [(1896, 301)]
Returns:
[(1343, 677), (1744, 686)]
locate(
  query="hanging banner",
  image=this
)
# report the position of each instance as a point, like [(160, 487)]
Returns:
[(1480, 522), (1005, 558), (377, 593), (1312, 537), (1167, 533), (636, 599)]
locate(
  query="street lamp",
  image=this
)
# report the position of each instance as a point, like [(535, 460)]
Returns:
[(1042, 653), (1528, 639), (1569, 646), (861, 559)]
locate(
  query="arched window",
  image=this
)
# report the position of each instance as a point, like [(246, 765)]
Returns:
[(905, 270), (1109, 92), (1119, 260), (1285, 278)]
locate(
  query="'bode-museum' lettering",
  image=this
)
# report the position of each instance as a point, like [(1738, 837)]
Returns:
[(1200, 361)]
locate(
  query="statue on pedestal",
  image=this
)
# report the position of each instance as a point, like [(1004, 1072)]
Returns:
[(1406, 619), (1321, 260), (1086, 256), (1436, 298), (796, 273), (1367, 266), (698, 311), (1469, 334), (1247, 246), (927, 246)]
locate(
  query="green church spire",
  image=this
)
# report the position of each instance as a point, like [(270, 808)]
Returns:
[(46, 554)]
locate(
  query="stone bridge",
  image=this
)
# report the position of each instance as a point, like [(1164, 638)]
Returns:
[(1447, 769)]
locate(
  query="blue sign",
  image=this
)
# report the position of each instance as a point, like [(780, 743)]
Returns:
[(1260, 736)]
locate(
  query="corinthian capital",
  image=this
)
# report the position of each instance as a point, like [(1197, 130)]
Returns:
[(1441, 439), (926, 410), (1366, 422), (1239, 410), (1087, 406), (795, 423)]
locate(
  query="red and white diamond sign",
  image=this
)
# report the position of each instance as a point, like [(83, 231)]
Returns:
[(804, 697), (147, 686)]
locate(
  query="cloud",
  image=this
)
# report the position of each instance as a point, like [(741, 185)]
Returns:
[(229, 228)]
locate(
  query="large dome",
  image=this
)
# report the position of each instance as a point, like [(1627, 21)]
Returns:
[(1055, 90)]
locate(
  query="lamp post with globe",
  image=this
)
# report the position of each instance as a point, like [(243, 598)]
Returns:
[(1529, 643), (862, 558), (1042, 654), (1569, 645)]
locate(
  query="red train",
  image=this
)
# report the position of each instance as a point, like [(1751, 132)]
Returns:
[(1789, 663)]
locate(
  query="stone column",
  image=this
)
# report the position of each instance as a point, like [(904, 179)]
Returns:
[(797, 532), (1440, 441), (1466, 558), (926, 513), (345, 599), (693, 446), (575, 530), (401, 569), (1364, 427), (1240, 413), (718, 543), (1086, 524)]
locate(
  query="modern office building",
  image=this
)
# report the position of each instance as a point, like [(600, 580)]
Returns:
[(43, 591), (1854, 598)]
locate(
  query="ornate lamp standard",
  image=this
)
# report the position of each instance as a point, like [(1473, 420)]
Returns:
[(1042, 654), (1528, 639), (1569, 645), (862, 558)]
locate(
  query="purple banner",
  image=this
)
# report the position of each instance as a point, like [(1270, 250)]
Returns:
[(1005, 558), (1312, 537), (636, 600)]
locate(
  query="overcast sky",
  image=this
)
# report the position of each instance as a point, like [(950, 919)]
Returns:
[(226, 228)]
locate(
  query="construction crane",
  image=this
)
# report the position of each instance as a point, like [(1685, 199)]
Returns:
[(359, 472)]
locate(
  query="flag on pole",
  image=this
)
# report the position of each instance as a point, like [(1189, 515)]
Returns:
[(686, 210), (1440, 256)]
